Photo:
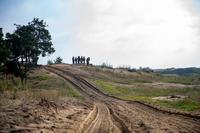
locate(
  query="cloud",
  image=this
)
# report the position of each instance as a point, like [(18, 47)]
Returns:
[(151, 33)]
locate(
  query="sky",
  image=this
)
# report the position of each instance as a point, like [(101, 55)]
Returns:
[(146, 33)]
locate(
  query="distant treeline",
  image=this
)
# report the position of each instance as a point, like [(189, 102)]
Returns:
[(58, 60), (126, 67), (170, 71), (179, 71)]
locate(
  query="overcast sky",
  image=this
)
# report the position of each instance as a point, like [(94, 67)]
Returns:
[(147, 33)]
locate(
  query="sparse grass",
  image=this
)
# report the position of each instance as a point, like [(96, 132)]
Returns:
[(126, 77), (40, 84), (132, 86), (188, 80), (145, 93), (71, 91), (12, 84), (40, 77), (120, 83), (187, 105)]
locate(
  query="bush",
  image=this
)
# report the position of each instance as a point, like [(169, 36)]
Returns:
[(145, 69), (49, 62), (128, 68), (58, 60), (106, 65)]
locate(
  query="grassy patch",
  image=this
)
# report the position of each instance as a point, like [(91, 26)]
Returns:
[(120, 76), (187, 105), (70, 91), (39, 77), (188, 80), (145, 93), (126, 77), (40, 84)]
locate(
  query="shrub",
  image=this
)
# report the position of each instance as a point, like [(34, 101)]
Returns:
[(49, 62), (58, 60), (106, 65)]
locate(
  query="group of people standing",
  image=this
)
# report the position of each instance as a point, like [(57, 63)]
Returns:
[(80, 60)]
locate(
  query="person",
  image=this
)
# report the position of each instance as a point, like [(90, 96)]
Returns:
[(83, 59), (79, 59), (73, 60), (88, 60)]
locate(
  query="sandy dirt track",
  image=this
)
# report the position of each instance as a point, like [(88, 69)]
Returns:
[(45, 116), (111, 114)]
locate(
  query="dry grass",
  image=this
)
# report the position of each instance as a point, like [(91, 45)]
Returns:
[(40, 84), (126, 77)]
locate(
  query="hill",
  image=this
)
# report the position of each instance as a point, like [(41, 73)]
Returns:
[(79, 98), (179, 71)]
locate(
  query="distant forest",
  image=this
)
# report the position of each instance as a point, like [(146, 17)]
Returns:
[(179, 71)]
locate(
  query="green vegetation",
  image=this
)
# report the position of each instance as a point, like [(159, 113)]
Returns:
[(121, 75), (128, 77), (106, 65), (180, 71), (187, 105), (40, 84), (49, 62), (58, 60), (188, 80), (21, 49), (138, 85), (145, 92)]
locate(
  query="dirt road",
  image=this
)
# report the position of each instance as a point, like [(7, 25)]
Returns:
[(111, 114)]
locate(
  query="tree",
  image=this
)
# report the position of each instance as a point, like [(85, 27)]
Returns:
[(58, 60), (4, 52), (49, 62), (25, 45), (43, 44), (30, 41)]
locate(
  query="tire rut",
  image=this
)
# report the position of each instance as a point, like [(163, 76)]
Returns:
[(128, 116), (104, 121)]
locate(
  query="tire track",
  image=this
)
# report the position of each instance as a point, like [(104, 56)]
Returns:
[(129, 115), (103, 120), (178, 121)]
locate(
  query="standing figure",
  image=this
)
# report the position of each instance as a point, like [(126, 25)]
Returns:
[(83, 59), (73, 60), (88, 60), (79, 59)]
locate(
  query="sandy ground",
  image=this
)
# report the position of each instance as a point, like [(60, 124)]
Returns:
[(100, 113), (43, 116), (117, 115)]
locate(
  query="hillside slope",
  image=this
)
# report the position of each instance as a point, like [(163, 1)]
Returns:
[(72, 98)]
